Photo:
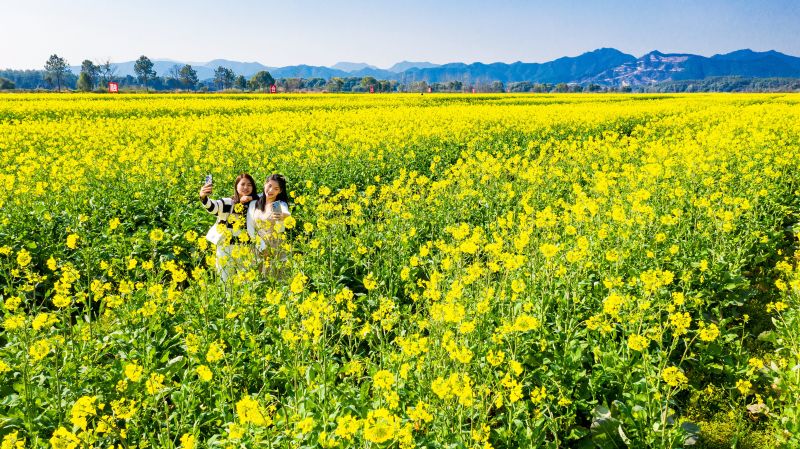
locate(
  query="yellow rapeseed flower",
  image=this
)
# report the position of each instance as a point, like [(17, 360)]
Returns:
[(380, 426), (155, 383), (13, 441), (709, 333), (216, 351), (744, 386), (674, 377), (548, 250), (64, 439), (638, 342), (156, 235), (383, 380), (23, 258), (83, 408), (188, 441), (249, 411), (40, 350), (204, 373)]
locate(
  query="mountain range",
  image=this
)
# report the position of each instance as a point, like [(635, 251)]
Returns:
[(604, 66)]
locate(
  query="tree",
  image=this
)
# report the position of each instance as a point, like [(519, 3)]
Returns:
[(6, 84), (241, 82), (292, 84), (368, 81), (92, 72), (418, 86), (262, 80), (84, 82), (144, 69), (57, 69), (315, 83), (592, 87), (107, 71), (173, 79), (575, 88), (188, 76), (224, 77), (174, 72), (172, 83), (335, 84)]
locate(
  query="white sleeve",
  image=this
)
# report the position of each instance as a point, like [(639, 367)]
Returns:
[(212, 206)]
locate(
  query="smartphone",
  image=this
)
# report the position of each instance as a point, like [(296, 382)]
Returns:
[(209, 179), (276, 208)]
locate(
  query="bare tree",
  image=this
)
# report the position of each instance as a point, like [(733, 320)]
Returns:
[(107, 71)]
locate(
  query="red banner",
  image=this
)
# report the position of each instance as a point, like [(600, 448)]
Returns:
[(113, 87)]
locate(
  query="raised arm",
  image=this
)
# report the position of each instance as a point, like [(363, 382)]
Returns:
[(212, 206)]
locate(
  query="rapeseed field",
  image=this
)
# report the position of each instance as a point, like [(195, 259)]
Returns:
[(463, 271)]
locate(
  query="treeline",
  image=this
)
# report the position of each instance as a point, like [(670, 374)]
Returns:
[(96, 76), (227, 80), (726, 84)]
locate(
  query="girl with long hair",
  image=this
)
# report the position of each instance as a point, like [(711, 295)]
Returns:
[(234, 230), (268, 215)]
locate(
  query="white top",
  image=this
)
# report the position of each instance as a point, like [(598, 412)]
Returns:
[(266, 222)]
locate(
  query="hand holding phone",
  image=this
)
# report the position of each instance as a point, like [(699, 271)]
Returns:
[(277, 213), (207, 187)]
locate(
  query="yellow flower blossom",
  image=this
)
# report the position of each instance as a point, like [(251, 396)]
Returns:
[(84, 407), (13, 441), (383, 380), (188, 441), (64, 439), (204, 373), (709, 333), (249, 411), (638, 342), (23, 258), (40, 349), (674, 377), (744, 386), (380, 426)]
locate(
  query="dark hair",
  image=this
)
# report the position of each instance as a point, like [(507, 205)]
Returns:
[(235, 196), (283, 196)]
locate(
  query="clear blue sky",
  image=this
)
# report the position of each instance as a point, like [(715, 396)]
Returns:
[(381, 33)]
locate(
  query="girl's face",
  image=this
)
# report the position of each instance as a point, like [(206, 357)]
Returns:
[(271, 190), (244, 187)]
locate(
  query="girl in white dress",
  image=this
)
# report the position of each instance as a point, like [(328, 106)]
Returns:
[(270, 210)]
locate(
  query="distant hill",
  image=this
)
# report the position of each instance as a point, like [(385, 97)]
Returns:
[(566, 69), (247, 69), (656, 67), (307, 71), (604, 66), (352, 66), (405, 65)]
